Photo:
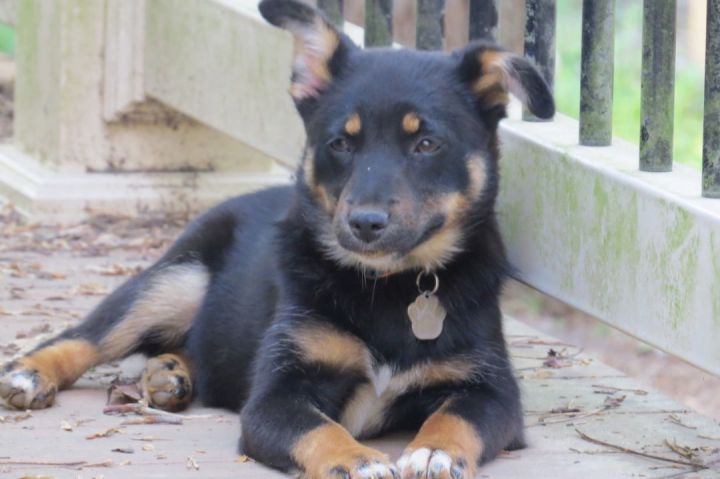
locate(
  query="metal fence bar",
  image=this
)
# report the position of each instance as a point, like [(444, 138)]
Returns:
[(429, 24), (540, 40), (378, 23), (483, 19), (333, 9), (596, 78), (657, 85), (711, 128)]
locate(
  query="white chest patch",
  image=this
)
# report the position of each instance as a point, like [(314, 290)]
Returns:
[(381, 378), (364, 411)]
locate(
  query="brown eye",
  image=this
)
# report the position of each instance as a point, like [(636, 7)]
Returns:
[(426, 146), (340, 145)]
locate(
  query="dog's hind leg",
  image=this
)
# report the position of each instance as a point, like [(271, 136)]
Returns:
[(150, 313)]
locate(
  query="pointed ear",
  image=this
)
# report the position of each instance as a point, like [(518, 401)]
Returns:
[(319, 51), (492, 73)]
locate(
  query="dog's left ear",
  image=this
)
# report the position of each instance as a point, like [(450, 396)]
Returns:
[(492, 73), (320, 50)]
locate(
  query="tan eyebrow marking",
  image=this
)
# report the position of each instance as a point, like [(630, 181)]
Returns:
[(353, 125), (411, 123)]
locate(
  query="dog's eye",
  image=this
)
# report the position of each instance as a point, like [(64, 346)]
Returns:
[(426, 146), (340, 145)]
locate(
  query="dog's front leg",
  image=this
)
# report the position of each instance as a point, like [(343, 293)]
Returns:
[(304, 375), (289, 433), (470, 427)]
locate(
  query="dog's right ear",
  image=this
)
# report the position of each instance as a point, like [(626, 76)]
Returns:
[(320, 50)]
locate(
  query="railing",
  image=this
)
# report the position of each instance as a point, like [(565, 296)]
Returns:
[(658, 66)]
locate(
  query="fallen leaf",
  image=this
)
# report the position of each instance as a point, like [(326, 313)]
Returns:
[(192, 463), (16, 417), (242, 459), (116, 270), (123, 391), (89, 289), (66, 426), (612, 402), (123, 450), (106, 433), (32, 332)]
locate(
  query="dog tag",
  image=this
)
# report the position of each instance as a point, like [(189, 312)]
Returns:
[(426, 316)]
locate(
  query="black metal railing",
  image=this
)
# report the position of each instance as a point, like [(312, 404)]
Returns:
[(596, 78)]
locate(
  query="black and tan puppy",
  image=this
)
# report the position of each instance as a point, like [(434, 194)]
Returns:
[(361, 300)]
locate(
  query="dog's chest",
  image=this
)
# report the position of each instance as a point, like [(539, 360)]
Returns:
[(364, 412)]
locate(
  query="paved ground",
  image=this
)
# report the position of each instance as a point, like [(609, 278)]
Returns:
[(50, 277)]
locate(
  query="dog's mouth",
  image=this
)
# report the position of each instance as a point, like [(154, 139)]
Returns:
[(398, 250)]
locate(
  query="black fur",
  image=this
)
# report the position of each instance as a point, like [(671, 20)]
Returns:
[(271, 274)]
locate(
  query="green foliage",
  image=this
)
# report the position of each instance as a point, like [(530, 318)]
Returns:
[(687, 141), (7, 39)]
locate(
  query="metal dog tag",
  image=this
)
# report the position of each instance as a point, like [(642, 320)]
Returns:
[(426, 316), (426, 313)]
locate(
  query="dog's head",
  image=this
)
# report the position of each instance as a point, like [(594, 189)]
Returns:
[(401, 152)]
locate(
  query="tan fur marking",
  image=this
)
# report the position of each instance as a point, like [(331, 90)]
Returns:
[(328, 346), (314, 46), (63, 362), (308, 167), (437, 250), (451, 434), (478, 176), (167, 307), (353, 125), (363, 413), (327, 201), (411, 123), (492, 86), (328, 446)]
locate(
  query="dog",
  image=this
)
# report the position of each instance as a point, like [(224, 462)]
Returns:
[(363, 299)]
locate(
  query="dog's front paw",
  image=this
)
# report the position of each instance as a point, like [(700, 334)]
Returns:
[(426, 463), (356, 464), (25, 388)]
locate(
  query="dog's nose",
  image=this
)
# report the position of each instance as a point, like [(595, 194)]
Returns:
[(368, 225)]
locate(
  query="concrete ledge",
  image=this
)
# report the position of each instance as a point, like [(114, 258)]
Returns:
[(46, 195), (640, 251)]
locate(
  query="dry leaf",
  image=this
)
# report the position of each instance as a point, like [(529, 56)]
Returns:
[(192, 463), (16, 417), (612, 402), (107, 433), (116, 270), (242, 459), (89, 289), (37, 330), (123, 450)]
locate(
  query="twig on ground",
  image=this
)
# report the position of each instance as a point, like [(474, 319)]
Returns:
[(70, 464), (152, 420), (675, 419), (613, 389), (638, 453), (145, 410)]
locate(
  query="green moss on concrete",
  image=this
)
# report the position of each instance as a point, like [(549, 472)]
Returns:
[(715, 255)]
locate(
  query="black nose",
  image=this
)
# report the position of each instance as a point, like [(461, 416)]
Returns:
[(368, 225)]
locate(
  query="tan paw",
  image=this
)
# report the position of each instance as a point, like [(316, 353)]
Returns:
[(25, 388), (426, 463), (167, 383)]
